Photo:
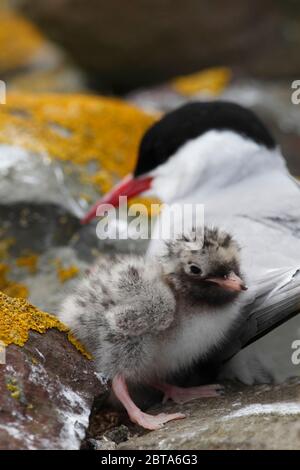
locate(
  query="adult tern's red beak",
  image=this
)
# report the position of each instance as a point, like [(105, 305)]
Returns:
[(230, 282), (129, 187)]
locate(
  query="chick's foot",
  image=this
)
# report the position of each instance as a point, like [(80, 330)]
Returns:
[(182, 395)]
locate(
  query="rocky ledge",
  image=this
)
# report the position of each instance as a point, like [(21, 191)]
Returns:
[(259, 417), (47, 385)]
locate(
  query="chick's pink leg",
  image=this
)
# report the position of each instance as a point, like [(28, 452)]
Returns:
[(184, 395), (136, 415)]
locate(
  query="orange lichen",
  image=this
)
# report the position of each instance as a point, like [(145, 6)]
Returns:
[(78, 345), (29, 262), (79, 128), (18, 317), (19, 41), (11, 288), (211, 81), (66, 273)]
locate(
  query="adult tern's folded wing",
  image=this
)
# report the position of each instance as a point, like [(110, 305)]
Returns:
[(276, 299), (271, 309)]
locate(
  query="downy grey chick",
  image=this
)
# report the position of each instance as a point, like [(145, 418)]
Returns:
[(144, 320)]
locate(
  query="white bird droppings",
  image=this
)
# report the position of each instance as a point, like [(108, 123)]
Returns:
[(283, 408)]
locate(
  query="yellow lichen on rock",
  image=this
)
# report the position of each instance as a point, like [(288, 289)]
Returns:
[(13, 388), (82, 129), (78, 345), (11, 288), (19, 41), (211, 81), (65, 274), (29, 262), (18, 317)]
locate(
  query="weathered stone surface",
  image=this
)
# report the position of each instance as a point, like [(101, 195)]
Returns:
[(148, 43), (47, 382), (260, 417), (46, 393), (66, 149)]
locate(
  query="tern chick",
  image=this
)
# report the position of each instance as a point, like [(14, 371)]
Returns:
[(144, 320)]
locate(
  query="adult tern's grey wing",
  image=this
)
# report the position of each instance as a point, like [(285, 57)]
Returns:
[(276, 300)]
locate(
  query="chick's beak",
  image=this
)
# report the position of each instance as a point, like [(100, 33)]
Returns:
[(129, 187), (231, 282)]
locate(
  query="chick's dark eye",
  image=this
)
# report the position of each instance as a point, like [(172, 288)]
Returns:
[(195, 269)]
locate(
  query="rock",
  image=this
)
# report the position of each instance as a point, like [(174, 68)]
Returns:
[(119, 434), (47, 386), (60, 78), (202, 85), (100, 444), (29, 62), (258, 417), (20, 42), (146, 44), (66, 149)]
